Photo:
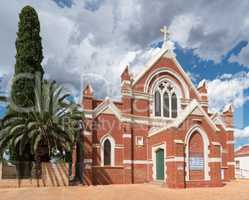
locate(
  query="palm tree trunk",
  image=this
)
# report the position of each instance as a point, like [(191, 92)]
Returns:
[(38, 170)]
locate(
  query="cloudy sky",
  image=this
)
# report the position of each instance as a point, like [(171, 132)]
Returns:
[(93, 40)]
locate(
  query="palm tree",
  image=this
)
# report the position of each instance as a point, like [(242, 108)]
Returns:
[(53, 122)]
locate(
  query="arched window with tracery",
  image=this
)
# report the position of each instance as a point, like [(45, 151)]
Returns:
[(165, 101)]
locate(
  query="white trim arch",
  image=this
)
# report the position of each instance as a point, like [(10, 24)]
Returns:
[(162, 79), (205, 139), (170, 72), (102, 142)]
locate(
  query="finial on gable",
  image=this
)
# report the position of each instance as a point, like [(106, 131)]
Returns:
[(202, 83), (228, 115), (228, 108), (202, 87), (125, 76), (88, 91)]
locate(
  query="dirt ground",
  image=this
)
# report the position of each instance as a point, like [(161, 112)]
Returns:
[(236, 190)]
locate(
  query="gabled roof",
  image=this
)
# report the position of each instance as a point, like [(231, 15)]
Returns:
[(193, 107), (190, 109), (107, 106), (166, 50), (243, 151), (218, 120)]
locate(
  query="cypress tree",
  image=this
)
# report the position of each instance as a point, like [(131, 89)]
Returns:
[(28, 64), (28, 58)]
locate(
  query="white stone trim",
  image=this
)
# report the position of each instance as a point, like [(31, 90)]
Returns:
[(216, 144), (212, 160), (88, 116), (154, 149), (88, 160), (112, 141), (125, 135), (149, 64), (128, 82), (87, 133), (107, 103), (175, 159), (206, 150), (203, 94), (231, 163), (136, 95), (119, 146), (230, 142), (172, 73), (88, 113), (216, 118), (189, 109), (178, 141), (137, 162)]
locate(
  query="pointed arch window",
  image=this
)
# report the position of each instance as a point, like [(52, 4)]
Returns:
[(174, 105), (107, 152), (157, 103), (166, 104), (165, 101)]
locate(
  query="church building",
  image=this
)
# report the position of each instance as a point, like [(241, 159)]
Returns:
[(160, 131)]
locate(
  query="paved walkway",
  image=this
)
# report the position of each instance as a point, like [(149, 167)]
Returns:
[(236, 190)]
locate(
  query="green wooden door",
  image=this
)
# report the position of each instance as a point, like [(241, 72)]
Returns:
[(160, 164)]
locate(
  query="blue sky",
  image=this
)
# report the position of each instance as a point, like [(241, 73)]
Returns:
[(96, 38)]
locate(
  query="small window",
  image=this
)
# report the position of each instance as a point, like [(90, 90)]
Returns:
[(139, 140), (107, 152), (237, 164)]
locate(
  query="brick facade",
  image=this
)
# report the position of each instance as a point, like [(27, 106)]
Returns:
[(198, 145)]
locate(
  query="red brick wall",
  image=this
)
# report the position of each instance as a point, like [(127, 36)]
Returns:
[(128, 150), (160, 63), (108, 175)]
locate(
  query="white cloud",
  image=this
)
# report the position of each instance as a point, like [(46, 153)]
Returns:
[(181, 27), (242, 133), (102, 41), (228, 89)]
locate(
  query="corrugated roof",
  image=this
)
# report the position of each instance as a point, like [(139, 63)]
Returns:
[(243, 151)]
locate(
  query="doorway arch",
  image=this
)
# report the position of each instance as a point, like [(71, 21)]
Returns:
[(197, 130)]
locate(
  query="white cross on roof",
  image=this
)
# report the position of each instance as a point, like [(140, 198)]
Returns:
[(166, 34)]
